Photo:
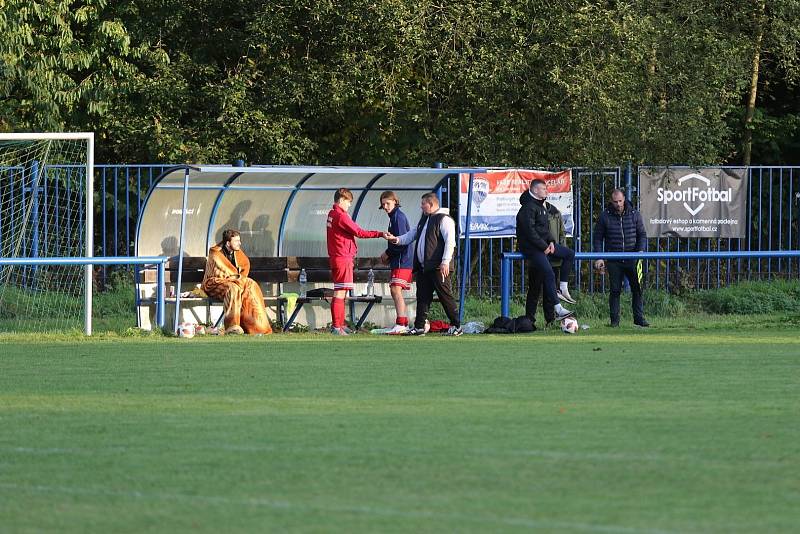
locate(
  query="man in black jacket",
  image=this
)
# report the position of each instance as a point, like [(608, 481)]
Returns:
[(621, 229), (536, 243)]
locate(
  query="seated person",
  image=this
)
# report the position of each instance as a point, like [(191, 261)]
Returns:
[(226, 279)]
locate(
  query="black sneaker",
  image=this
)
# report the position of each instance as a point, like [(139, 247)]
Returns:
[(642, 324), (454, 331), (614, 324), (415, 332)]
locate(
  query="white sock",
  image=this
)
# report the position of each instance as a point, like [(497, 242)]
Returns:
[(563, 287), (560, 309)]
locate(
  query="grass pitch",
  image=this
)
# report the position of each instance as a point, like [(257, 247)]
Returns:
[(627, 431)]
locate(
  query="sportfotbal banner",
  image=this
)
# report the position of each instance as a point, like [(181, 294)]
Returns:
[(495, 199), (708, 202)]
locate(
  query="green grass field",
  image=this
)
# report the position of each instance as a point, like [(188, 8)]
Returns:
[(666, 430)]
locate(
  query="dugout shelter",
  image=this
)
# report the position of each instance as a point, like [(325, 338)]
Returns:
[(279, 210)]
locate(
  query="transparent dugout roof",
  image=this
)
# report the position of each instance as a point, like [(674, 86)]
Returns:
[(279, 210)]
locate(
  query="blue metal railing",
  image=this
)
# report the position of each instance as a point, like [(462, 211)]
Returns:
[(509, 257)]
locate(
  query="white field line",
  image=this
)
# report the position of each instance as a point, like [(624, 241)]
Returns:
[(345, 509)]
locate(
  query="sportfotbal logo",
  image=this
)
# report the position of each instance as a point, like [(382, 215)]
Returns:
[(699, 202), (691, 195)]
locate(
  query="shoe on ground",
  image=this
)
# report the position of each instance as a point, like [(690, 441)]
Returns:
[(565, 296), (416, 332), (564, 314), (234, 330), (398, 330), (642, 324), (614, 324), (454, 331), (339, 332)]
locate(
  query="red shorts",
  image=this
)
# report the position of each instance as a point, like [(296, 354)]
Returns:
[(401, 278), (342, 273)]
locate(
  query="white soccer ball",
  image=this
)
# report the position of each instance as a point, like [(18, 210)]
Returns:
[(186, 330), (569, 325)]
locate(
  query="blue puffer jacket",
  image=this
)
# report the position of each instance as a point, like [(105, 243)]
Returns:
[(620, 232)]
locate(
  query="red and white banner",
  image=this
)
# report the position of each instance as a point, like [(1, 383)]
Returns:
[(495, 199)]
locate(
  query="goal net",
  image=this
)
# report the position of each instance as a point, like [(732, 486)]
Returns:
[(45, 206)]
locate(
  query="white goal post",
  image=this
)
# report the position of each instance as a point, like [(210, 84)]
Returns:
[(84, 158)]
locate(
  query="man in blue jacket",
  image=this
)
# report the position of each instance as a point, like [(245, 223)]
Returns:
[(620, 228)]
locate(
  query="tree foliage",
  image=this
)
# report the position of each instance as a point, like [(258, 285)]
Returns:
[(401, 82)]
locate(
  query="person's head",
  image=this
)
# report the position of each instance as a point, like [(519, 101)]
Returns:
[(539, 189), (343, 197), (618, 200), (389, 201), (429, 203), (231, 239)]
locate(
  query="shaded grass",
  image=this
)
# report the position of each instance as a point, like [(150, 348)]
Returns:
[(668, 430)]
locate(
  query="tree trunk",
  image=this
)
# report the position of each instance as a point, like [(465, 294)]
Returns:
[(751, 100)]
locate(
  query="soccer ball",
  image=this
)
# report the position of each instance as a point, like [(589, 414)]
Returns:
[(186, 330), (569, 325)]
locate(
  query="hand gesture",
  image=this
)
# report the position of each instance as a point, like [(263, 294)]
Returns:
[(394, 240), (388, 236), (550, 249), (600, 265), (445, 270)]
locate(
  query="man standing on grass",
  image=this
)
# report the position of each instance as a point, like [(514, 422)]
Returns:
[(620, 228), (226, 279), (434, 243), (537, 244), (342, 249)]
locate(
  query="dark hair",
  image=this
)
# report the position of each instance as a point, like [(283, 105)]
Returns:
[(536, 182), (431, 198), (229, 234), (618, 190), (342, 193), (391, 196)]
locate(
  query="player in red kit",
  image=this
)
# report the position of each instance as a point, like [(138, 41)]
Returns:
[(342, 249)]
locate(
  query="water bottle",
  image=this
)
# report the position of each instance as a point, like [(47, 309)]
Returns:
[(303, 281), (371, 282)]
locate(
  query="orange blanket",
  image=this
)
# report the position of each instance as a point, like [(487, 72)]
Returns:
[(241, 296)]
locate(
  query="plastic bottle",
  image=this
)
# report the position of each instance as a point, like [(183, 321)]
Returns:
[(303, 279), (371, 282)]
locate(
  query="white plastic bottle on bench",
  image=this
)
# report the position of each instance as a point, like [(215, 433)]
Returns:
[(371, 282), (303, 279)]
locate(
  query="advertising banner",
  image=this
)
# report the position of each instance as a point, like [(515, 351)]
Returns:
[(685, 202), (495, 199)]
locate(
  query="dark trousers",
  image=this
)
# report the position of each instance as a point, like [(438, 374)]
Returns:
[(540, 274), (568, 255), (632, 270), (427, 282), (535, 286)]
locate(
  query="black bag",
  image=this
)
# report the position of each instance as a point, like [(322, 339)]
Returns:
[(507, 325), (324, 293)]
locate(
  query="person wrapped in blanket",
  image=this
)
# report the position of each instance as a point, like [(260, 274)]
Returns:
[(226, 279)]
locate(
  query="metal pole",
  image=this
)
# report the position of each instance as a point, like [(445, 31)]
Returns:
[(89, 268), (505, 282), (180, 249), (467, 250)]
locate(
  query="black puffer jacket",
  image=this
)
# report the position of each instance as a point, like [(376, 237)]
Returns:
[(533, 225), (621, 233)]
